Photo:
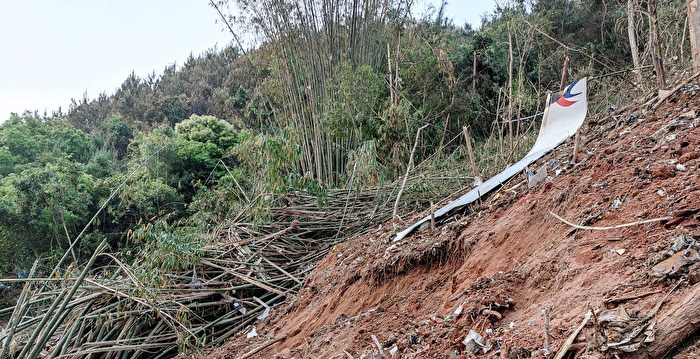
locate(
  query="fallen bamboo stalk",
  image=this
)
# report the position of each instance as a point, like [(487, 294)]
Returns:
[(55, 321), (130, 314), (16, 314)]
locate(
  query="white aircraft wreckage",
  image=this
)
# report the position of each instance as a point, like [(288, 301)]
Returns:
[(561, 119)]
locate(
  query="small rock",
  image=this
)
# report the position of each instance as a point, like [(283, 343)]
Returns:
[(688, 156), (663, 92), (675, 263), (690, 114), (680, 167), (661, 171), (617, 203)]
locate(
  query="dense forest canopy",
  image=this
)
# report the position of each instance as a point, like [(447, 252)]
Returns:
[(331, 96)]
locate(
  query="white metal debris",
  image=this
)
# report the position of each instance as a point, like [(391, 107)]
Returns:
[(561, 120)]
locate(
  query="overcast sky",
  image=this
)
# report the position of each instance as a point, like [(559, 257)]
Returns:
[(52, 51)]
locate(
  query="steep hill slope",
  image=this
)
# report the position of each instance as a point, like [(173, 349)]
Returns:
[(497, 268)]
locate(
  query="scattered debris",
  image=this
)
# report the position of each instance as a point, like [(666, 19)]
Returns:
[(474, 343), (536, 177), (617, 203), (378, 344), (627, 333)]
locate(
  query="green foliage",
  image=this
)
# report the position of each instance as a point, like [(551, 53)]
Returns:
[(119, 135), (361, 92), (364, 167), (270, 157), (49, 185), (165, 249), (202, 143)]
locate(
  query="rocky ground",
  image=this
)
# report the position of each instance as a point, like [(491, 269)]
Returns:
[(496, 271)]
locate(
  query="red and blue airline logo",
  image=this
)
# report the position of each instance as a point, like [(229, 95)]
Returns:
[(566, 99)]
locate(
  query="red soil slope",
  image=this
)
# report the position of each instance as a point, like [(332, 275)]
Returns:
[(509, 256)]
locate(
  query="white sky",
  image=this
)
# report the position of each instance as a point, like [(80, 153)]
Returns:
[(52, 51)]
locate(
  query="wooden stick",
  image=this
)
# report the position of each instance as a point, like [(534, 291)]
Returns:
[(564, 73), (408, 170), (630, 297), (610, 227), (258, 349), (474, 73), (570, 340), (545, 312), (470, 152), (577, 140), (510, 93)]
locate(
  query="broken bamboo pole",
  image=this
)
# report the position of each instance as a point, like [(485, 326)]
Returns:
[(470, 151), (408, 170), (570, 340)]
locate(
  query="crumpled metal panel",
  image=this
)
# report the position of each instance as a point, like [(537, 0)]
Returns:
[(561, 119)]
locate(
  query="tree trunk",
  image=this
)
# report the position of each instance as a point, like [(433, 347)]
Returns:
[(675, 326), (694, 21), (654, 41), (632, 34)]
